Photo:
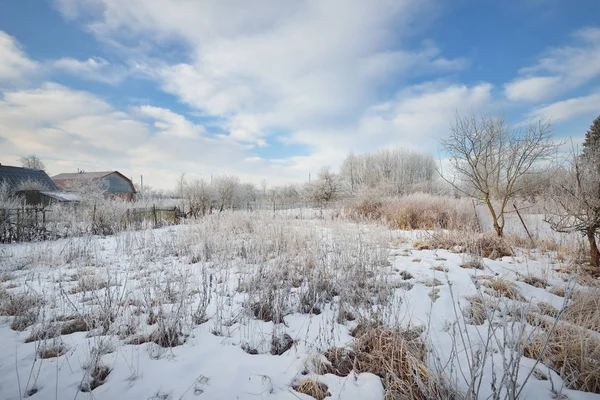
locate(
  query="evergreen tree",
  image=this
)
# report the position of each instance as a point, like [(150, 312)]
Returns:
[(591, 143)]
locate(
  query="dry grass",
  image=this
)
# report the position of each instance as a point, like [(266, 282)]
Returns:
[(77, 324), (17, 304), (573, 352), (88, 283), (487, 245), (312, 388), (415, 211), (584, 309), (366, 209), (421, 245), (558, 291), (534, 281), (476, 311), (503, 288), (473, 263), (434, 294), (548, 309), (52, 351), (433, 282), (422, 211), (395, 356), (22, 322), (98, 375)]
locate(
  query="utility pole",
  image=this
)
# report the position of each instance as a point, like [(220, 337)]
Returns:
[(142, 184)]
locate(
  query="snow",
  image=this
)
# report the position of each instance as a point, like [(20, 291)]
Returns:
[(144, 266), (63, 196)]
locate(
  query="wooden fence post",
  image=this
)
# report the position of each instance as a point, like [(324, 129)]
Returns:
[(524, 226)]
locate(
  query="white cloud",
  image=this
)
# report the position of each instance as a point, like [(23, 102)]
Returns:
[(60, 123), (560, 69), (15, 66), (97, 69), (531, 89), (273, 65), (567, 109), (171, 124), (416, 119), (72, 129)]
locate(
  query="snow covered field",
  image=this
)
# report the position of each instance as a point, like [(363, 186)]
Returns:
[(246, 305)]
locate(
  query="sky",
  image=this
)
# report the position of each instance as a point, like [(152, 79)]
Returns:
[(276, 89)]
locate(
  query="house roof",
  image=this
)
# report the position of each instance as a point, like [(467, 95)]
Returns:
[(14, 176), (63, 180), (82, 176)]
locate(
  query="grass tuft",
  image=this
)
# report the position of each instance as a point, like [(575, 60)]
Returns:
[(312, 388)]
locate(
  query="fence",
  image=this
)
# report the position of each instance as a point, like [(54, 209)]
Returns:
[(30, 223), (24, 223)]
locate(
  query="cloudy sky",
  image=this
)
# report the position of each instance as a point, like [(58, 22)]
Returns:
[(274, 89)]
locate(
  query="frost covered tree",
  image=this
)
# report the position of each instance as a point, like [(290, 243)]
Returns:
[(389, 172), (326, 187), (576, 194), (199, 195), (32, 161), (491, 160), (91, 191), (225, 188)]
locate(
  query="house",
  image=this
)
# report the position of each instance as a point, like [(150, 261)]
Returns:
[(112, 183), (34, 186), (17, 178)]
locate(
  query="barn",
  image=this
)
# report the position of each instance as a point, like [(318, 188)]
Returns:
[(113, 183), (17, 178)]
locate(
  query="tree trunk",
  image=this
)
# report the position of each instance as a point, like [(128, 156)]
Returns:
[(495, 217), (499, 230), (595, 255)]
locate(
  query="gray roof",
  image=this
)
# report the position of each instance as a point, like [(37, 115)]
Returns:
[(14, 176)]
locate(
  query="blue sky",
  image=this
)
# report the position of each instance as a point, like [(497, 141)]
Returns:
[(273, 89)]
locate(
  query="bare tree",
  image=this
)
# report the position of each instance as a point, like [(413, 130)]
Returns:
[(490, 159), (225, 188), (246, 195), (32, 161), (199, 195), (575, 202), (576, 197)]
